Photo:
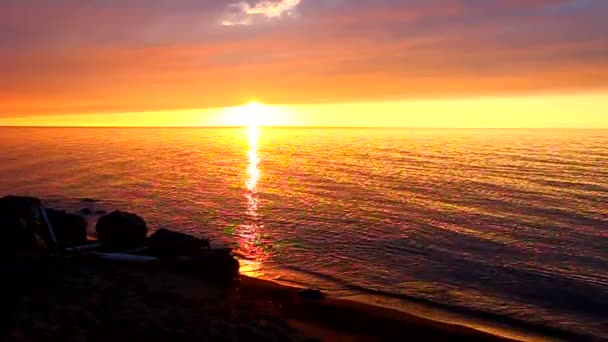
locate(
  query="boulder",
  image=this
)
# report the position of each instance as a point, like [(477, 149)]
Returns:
[(168, 243), (21, 226), (121, 228), (69, 229)]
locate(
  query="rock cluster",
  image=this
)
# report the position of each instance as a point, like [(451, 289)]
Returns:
[(26, 226)]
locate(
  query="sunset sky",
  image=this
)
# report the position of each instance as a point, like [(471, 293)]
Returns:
[(437, 63)]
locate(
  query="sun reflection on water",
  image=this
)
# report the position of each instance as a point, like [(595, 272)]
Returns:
[(253, 171), (251, 249)]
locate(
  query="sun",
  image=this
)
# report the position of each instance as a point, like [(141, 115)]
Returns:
[(253, 114)]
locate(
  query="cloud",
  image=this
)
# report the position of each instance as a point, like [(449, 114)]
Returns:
[(244, 13)]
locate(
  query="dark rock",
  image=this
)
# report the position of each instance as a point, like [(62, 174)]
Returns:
[(85, 211), (168, 243), (101, 212), (69, 229), (120, 228), (21, 225), (169, 236), (311, 294), (165, 236)]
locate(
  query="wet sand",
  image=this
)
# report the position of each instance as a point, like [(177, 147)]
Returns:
[(79, 299)]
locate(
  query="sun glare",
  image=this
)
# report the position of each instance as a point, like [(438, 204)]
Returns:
[(253, 114), (256, 114)]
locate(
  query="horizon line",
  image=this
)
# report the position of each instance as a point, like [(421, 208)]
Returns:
[(314, 127)]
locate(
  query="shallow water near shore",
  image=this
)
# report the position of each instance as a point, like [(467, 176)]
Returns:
[(510, 225)]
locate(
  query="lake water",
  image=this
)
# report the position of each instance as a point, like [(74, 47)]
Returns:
[(505, 224)]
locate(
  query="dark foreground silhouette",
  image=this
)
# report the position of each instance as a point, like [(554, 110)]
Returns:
[(129, 286), (55, 298)]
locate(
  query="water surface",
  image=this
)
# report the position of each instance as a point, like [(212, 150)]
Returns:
[(504, 223)]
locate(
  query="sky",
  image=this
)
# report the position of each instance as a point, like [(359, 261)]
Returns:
[(444, 63)]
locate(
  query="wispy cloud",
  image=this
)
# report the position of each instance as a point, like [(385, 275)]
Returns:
[(243, 13)]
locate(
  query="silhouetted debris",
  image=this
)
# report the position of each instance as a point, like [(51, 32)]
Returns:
[(100, 212), (121, 228), (312, 294), (70, 229)]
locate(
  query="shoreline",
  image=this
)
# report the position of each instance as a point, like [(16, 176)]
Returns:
[(438, 313), (488, 322), (369, 306), (50, 298)]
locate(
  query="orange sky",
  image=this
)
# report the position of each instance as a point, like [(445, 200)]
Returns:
[(416, 63), (540, 111)]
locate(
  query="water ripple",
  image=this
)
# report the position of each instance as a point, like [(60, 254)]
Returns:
[(509, 223)]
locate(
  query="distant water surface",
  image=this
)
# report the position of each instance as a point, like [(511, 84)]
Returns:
[(508, 224)]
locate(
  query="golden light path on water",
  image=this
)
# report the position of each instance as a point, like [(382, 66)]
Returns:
[(253, 171), (251, 249)]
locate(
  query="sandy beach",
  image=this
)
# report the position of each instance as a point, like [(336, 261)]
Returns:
[(80, 299)]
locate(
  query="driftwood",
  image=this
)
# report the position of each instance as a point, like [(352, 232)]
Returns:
[(186, 254), (125, 257), (84, 248)]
